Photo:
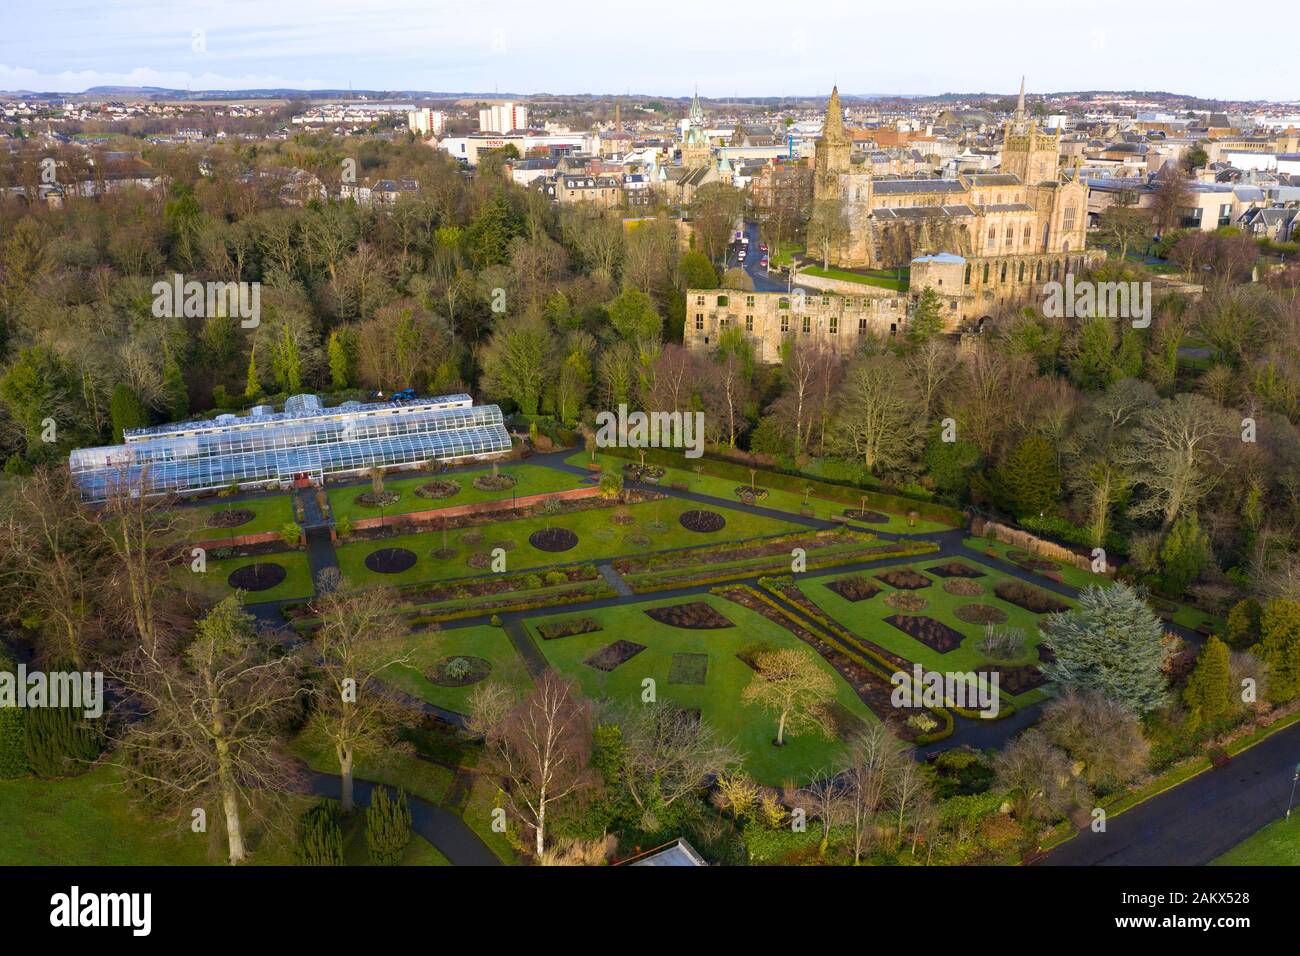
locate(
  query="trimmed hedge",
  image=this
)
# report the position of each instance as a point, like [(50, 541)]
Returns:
[(59, 742), (13, 752)]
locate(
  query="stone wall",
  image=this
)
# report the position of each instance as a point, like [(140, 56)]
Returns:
[(1025, 541)]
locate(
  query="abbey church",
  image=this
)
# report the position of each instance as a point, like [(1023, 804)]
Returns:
[(1023, 224)]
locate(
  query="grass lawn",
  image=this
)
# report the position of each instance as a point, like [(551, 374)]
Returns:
[(429, 781), (89, 821), (884, 280), (1183, 614), (426, 648), (718, 698), (1278, 844), (776, 499), (530, 480), (598, 539), (270, 513), (866, 618), (297, 583)]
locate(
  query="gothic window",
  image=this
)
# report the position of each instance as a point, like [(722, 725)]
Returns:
[(1002, 273), (1028, 233), (1067, 223), (986, 273), (1020, 273)]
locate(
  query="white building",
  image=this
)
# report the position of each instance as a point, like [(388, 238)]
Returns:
[(426, 122), (503, 118)]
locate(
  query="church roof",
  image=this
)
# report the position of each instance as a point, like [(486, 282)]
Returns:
[(893, 187), (924, 212), (994, 179)]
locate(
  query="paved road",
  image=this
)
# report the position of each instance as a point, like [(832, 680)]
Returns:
[(1199, 820)]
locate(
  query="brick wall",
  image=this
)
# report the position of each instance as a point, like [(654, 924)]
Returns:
[(416, 518)]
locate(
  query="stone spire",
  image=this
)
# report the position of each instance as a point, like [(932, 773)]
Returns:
[(697, 111), (833, 127), (1020, 100)]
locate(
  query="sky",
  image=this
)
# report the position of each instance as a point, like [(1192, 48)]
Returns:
[(665, 47)]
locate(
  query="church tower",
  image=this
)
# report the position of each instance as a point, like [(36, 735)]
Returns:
[(695, 144), (832, 154), (1028, 152)]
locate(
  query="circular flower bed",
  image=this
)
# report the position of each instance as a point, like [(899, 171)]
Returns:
[(460, 671), (622, 516), (703, 521), (905, 601), (390, 560), (981, 614), (494, 482), (963, 587), (472, 538), (382, 500), (438, 488), (553, 539), (442, 554), (480, 560), (230, 519), (870, 517), (256, 577), (505, 544)]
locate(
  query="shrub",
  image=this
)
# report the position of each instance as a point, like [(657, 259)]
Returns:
[(320, 837), (13, 754), (457, 668), (290, 534), (58, 741), (388, 821), (343, 527), (1003, 643)]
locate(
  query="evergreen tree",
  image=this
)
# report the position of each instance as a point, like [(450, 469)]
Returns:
[(697, 271), (927, 319), (1209, 690), (634, 316), (126, 411), (1185, 552), (488, 237), (1242, 628), (59, 741), (1112, 643), (320, 837), (1030, 480), (1279, 648), (388, 826), (176, 396), (252, 384), (340, 362)]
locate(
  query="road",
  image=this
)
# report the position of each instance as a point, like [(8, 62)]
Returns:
[(763, 281), (1199, 820)]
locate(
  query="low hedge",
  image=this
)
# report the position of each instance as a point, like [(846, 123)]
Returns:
[(871, 662)]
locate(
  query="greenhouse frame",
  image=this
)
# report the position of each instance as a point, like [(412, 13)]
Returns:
[(304, 443)]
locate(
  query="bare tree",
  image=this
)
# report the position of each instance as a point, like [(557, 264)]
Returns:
[(791, 685), (1176, 454), (50, 564), (669, 753), (829, 797), (213, 716), (541, 746), (354, 711), (873, 759)]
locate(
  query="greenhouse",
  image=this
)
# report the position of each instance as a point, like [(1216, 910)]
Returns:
[(305, 442)]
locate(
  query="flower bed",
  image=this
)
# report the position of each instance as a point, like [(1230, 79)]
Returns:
[(695, 616)]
